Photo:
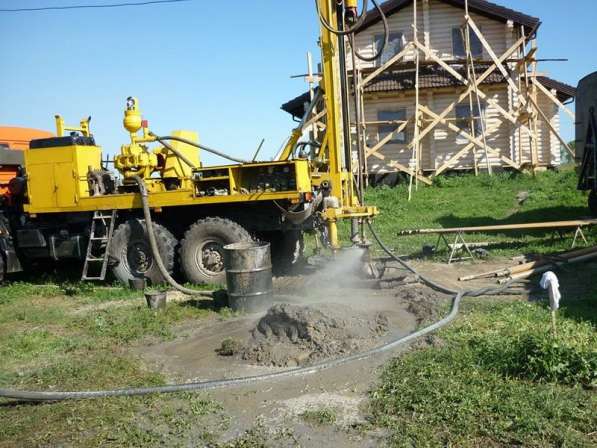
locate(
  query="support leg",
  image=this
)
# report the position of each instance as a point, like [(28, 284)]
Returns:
[(579, 234)]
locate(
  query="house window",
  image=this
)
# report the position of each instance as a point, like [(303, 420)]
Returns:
[(392, 49), (463, 121), (384, 130), (458, 47)]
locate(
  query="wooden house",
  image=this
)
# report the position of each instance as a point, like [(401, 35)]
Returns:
[(456, 88)]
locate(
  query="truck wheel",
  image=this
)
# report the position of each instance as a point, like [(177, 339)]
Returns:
[(202, 249), (593, 202), (132, 252), (287, 250)]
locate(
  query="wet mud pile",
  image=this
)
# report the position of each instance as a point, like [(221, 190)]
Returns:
[(291, 335)]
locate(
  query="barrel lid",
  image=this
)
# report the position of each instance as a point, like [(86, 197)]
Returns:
[(245, 245)]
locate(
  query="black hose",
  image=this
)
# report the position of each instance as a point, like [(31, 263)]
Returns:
[(223, 383), (197, 145), (355, 29), (352, 29), (154, 245), (433, 284)]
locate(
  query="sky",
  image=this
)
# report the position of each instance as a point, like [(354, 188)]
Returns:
[(220, 68)]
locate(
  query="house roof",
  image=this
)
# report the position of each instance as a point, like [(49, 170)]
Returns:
[(430, 77), (481, 7), (564, 92)]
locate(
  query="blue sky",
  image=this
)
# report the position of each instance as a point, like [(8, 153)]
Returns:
[(220, 68)]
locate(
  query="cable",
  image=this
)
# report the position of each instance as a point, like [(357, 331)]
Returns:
[(299, 371), (197, 145), (154, 245), (112, 5)]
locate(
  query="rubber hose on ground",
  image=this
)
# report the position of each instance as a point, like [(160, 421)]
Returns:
[(218, 384), (154, 245)]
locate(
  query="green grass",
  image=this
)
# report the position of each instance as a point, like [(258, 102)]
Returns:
[(70, 336), (457, 201), (322, 416), (500, 379)]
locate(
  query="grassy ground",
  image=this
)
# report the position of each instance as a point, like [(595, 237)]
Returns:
[(498, 378), (59, 336), (458, 201), (495, 378)]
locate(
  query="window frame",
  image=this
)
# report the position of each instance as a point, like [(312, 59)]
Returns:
[(457, 31), (460, 140), (385, 56), (384, 129)]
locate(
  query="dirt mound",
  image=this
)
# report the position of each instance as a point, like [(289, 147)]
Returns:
[(423, 302), (290, 335)]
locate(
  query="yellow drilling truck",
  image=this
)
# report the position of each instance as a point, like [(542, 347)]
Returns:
[(66, 204)]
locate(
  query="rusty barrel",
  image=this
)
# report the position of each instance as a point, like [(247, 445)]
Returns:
[(249, 276)]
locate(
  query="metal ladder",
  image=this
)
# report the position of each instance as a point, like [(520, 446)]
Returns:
[(98, 248)]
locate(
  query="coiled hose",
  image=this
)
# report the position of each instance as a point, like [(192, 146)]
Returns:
[(299, 371), (356, 27)]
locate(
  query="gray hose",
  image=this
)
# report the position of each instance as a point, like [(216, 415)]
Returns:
[(299, 371), (154, 245), (197, 145)]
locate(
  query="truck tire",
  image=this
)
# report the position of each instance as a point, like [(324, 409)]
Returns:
[(202, 249), (593, 202), (132, 253)]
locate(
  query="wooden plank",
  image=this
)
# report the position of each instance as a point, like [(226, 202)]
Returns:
[(453, 159), (447, 164), (498, 228), (494, 58), (374, 151), (472, 139), (388, 64), (465, 94), (410, 172), (552, 97), (552, 128), (315, 119)]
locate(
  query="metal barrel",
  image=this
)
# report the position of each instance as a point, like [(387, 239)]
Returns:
[(249, 276)]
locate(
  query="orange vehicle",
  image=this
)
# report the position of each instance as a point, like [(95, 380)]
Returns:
[(13, 140)]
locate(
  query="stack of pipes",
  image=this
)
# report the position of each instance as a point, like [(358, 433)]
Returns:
[(544, 264)]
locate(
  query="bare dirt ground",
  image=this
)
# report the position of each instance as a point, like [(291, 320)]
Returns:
[(280, 406)]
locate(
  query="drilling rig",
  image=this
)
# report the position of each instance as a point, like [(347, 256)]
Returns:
[(66, 204)]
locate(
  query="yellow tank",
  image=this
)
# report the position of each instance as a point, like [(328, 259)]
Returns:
[(173, 166)]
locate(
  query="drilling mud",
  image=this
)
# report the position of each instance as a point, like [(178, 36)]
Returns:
[(292, 335)]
